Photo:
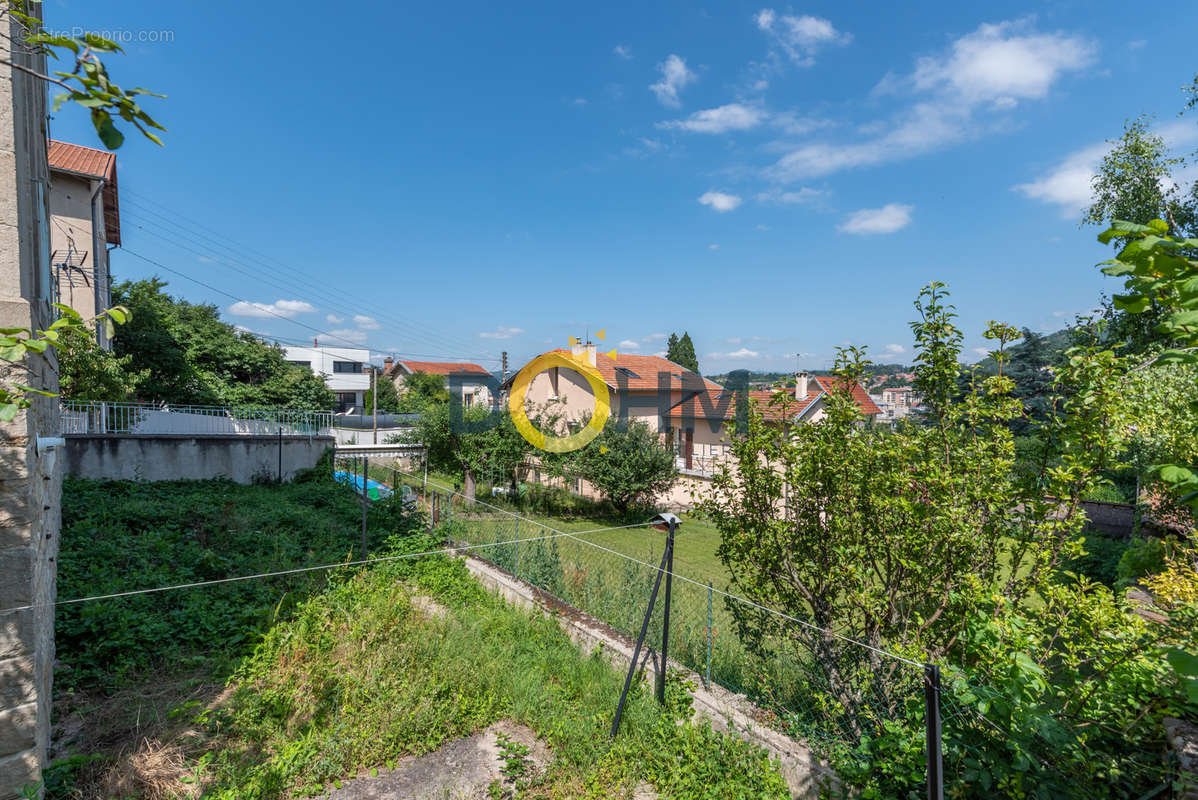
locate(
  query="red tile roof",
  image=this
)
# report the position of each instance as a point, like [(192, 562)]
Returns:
[(438, 367), (644, 371), (705, 407), (98, 164)]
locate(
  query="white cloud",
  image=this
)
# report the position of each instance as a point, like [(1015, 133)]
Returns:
[(333, 319), (743, 352), (981, 351), (713, 246), (366, 323), (279, 308), (734, 340), (501, 332), (800, 37), (1070, 184), (869, 221), (763, 227), (731, 117), (674, 76), (346, 335), (1003, 62), (719, 201), (622, 51), (993, 68), (629, 344), (654, 337), (803, 195), (894, 349)]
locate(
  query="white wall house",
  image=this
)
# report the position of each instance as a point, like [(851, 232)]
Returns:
[(344, 370)]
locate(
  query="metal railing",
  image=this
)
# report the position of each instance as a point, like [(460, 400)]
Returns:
[(151, 418)]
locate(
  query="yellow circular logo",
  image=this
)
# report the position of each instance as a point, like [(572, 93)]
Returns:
[(559, 444)]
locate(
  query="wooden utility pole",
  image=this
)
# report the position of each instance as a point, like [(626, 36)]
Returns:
[(374, 402)]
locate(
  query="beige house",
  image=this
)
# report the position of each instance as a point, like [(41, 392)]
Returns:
[(471, 381), (690, 413), (84, 220)]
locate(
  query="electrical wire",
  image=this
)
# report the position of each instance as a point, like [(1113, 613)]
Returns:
[(264, 262)]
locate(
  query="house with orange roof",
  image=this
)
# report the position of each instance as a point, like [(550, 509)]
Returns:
[(470, 381), (85, 219), (692, 414)]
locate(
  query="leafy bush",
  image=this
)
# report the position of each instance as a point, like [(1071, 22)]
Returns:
[(1144, 556), (1099, 559)]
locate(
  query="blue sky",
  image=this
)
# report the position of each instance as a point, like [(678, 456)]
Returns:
[(457, 180)]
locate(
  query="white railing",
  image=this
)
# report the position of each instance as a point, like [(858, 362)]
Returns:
[(150, 418)]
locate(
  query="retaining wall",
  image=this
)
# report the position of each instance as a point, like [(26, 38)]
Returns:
[(172, 457)]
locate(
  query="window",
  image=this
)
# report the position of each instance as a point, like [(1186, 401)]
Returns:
[(346, 400), (305, 364), (626, 372), (347, 366)]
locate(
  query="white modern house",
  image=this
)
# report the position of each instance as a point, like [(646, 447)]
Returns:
[(345, 371)]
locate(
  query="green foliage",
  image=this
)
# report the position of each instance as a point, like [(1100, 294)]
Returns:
[(88, 372), (1160, 271), (388, 396), (184, 354), (362, 676), (627, 463), (682, 352), (87, 83), (118, 536), (1098, 559), (18, 345), (1143, 556), (930, 541), (421, 391)]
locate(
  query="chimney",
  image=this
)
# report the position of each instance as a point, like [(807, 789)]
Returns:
[(388, 362), (591, 353), (801, 381), (315, 342), (578, 349)]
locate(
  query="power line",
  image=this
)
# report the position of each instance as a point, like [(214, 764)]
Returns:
[(291, 273)]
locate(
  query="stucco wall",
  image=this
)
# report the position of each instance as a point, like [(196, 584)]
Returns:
[(75, 202), (29, 483), (179, 457)]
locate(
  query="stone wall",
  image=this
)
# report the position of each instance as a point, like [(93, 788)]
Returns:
[(29, 482), (173, 457)]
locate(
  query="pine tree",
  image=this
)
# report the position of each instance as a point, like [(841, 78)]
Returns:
[(686, 354), (672, 348)]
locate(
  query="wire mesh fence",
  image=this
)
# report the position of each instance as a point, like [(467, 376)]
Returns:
[(867, 712)]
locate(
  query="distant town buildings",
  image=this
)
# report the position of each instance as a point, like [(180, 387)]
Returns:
[(346, 371), (895, 403)]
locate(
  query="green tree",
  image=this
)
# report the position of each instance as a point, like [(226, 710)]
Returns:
[(422, 390), (682, 352), (482, 443), (89, 373), (1138, 182), (388, 396), (627, 463), (184, 354)]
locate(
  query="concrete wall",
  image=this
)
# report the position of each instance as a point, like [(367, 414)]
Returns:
[(30, 484), (180, 457)]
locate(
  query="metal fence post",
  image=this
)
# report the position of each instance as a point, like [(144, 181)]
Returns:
[(710, 633), (935, 749), (516, 553), (365, 469), (665, 624)]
